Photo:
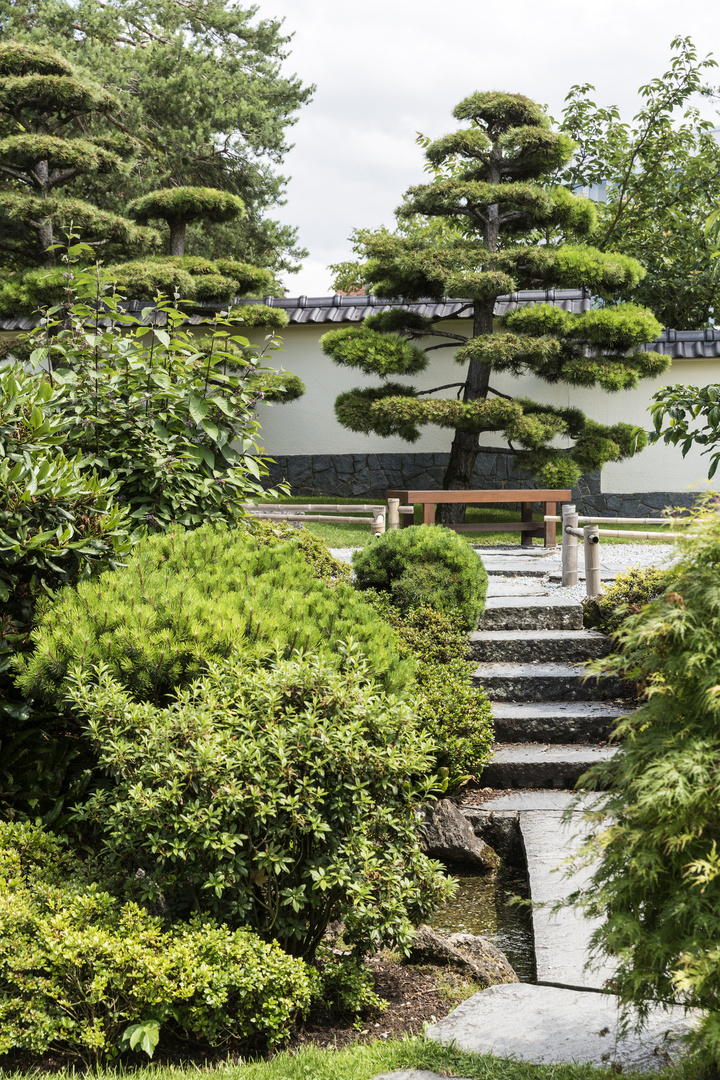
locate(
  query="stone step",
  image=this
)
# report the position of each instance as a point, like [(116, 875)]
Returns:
[(515, 646), (531, 613), (555, 721), (544, 682), (517, 586), (539, 765), (523, 568)]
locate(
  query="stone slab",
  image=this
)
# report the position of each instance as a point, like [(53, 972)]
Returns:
[(532, 613), (514, 586), (548, 1026), (554, 721), (530, 801), (562, 937), (544, 682), (541, 765), (520, 568), (515, 646)]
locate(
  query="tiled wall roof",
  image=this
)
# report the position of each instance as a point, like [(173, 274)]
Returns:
[(701, 344)]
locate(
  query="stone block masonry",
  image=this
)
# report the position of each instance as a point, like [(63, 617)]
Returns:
[(369, 476)]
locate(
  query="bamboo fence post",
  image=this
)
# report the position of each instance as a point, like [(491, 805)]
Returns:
[(377, 528), (393, 513), (592, 560), (569, 546)]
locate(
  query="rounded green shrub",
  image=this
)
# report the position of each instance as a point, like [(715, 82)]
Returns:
[(186, 599), (425, 565), (78, 967), (276, 797)]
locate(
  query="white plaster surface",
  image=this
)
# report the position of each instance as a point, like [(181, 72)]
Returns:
[(308, 426), (547, 1026)]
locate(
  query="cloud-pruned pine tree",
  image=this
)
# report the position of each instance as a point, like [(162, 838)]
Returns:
[(46, 108), (486, 185)]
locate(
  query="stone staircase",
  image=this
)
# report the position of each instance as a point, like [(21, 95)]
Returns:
[(551, 720)]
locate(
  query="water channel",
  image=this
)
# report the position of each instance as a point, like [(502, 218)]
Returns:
[(482, 906)]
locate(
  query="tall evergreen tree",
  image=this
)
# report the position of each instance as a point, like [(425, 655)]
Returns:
[(203, 88), (46, 106), (506, 149)]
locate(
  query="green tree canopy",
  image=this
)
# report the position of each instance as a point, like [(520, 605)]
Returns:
[(46, 105), (202, 87), (497, 193), (660, 178), (179, 206)]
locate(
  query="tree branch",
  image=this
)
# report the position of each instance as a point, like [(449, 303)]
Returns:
[(447, 386)]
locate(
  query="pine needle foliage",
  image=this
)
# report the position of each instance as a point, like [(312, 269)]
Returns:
[(46, 105), (188, 599), (657, 828), (490, 185)]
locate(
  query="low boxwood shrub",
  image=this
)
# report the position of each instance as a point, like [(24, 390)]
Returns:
[(188, 598), (277, 797), (425, 565), (626, 596), (78, 968)]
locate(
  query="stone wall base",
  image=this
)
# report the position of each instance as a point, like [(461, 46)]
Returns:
[(367, 477)]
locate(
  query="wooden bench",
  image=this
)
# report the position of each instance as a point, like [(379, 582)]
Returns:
[(527, 527)]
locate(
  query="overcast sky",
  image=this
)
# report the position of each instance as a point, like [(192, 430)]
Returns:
[(385, 69)]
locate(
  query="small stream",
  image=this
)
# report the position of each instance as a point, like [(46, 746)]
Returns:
[(481, 906)]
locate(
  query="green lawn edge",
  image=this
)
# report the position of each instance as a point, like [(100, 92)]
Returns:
[(365, 1061)]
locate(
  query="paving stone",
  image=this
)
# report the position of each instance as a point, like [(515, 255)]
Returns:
[(522, 568), (539, 765), (544, 682), (514, 646), (555, 721), (531, 613), (516, 586), (529, 801), (547, 1026)]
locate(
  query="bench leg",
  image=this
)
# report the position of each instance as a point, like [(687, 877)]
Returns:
[(550, 526), (526, 514), (429, 513)]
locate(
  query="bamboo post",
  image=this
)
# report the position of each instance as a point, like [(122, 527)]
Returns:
[(569, 545), (393, 513), (377, 528), (592, 560)]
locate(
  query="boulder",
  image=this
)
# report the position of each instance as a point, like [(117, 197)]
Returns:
[(450, 838), (473, 955)]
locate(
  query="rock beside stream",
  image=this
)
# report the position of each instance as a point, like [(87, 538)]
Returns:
[(450, 838), (470, 953)]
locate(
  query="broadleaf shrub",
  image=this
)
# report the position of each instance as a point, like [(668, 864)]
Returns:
[(77, 967), (188, 598), (275, 797), (628, 593), (425, 565), (656, 829)]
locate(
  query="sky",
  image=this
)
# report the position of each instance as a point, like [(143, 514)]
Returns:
[(386, 69)]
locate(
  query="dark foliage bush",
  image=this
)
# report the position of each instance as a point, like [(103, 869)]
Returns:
[(425, 565), (627, 594), (78, 968), (448, 707), (276, 797)]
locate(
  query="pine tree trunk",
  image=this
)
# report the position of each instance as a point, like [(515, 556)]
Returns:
[(44, 229), (177, 237), (464, 449)]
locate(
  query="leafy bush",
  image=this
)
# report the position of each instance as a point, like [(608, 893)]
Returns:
[(627, 594), (425, 565), (345, 986), (187, 598), (657, 884), (276, 797), (448, 707), (78, 968)]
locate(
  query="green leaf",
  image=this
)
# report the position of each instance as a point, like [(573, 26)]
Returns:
[(198, 408)]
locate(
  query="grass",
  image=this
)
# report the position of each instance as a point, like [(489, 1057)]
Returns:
[(347, 535), (362, 1062)]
